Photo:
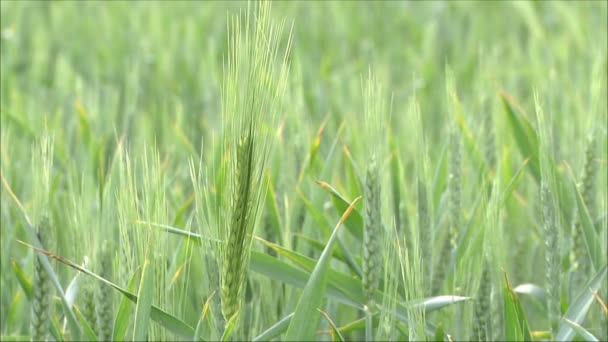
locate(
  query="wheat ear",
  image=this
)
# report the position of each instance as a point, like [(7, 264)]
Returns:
[(41, 289), (372, 233), (552, 259)]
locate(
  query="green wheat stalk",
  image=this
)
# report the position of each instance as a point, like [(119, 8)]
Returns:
[(454, 193), (454, 186), (372, 233), (424, 225), (549, 216), (375, 114), (483, 314), (88, 307), (251, 96), (552, 262), (579, 256), (41, 289), (489, 146), (425, 233)]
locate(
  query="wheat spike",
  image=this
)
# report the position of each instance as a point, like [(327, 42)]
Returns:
[(551, 234), (104, 322), (41, 289), (483, 313), (372, 233)]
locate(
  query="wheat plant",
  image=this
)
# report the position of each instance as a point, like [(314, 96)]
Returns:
[(251, 95), (270, 171)]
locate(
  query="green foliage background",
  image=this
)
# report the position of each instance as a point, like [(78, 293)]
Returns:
[(127, 94)]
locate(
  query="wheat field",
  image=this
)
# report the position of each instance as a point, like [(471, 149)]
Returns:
[(302, 170)]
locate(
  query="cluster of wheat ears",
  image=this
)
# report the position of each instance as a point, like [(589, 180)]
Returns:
[(396, 267)]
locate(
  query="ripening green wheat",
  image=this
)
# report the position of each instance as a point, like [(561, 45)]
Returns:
[(41, 288), (373, 232), (104, 322), (579, 257), (551, 234), (215, 146), (88, 307), (253, 86), (455, 186), (374, 108), (483, 315)]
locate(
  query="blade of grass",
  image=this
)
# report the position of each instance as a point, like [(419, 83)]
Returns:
[(194, 236), (163, 318), (89, 333), (369, 324), (347, 257), (581, 331), (506, 194), (230, 327), (121, 322), (275, 330), (524, 133), (516, 324), (144, 302), (358, 324), (354, 222), (469, 140), (318, 245), (199, 325), (26, 286), (305, 319), (32, 236), (341, 287), (335, 331), (276, 269), (601, 302), (341, 281), (578, 310), (71, 317), (593, 241), (25, 283)]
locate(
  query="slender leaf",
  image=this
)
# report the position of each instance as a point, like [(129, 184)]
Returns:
[(592, 240), (121, 322), (515, 322), (163, 318), (305, 319), (26, 286), (24, 281), (334, 329), (506, 194), (144, 302), (70, 316), (343, 253), (88, 331), (581, 331), (578, 310), (525, 135), (354, 222), (275, 330), (230, 327), (343, 282)]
